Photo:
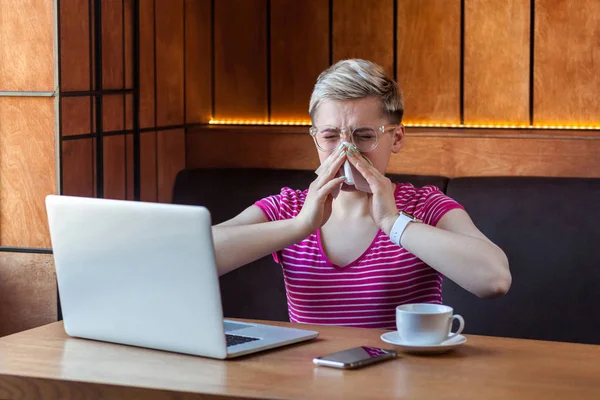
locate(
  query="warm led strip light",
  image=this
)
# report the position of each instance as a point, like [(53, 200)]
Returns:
[(410, 125)]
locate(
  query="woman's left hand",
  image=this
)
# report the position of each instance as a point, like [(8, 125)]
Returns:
[(382, 203)]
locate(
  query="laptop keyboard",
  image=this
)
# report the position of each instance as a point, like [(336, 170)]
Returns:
[(232, 340)]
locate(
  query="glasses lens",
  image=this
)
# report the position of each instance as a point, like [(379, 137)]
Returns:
[(327, 137), (365, 139)]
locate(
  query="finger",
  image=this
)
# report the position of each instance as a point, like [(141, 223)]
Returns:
[(376, 180), (332, 168), (331, 185)]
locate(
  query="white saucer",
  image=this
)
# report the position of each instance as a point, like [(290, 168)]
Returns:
[(393, 338)]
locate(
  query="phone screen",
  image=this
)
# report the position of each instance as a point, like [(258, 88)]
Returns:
[(355, 357)]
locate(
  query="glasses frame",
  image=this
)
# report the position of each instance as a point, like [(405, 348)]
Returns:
[(313, 130)]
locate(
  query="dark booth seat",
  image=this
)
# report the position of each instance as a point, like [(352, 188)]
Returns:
[(550, 231), (549, 228)]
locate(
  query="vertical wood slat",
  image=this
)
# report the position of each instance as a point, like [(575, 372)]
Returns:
[(496, 62), (147, 89), (148, 173), (75, 115), (299, 52), (240, 59), (566, 62), (112, 112), (429, 59), (364, 29), (114, 167), (198, 80), (26, 46), (78, 168), (74, 45), (169, 62), (112, 44), (128, 41), (27, 170), (170, 160)]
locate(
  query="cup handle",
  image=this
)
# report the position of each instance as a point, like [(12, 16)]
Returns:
[(461, 321)]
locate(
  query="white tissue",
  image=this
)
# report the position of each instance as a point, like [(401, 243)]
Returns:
[(353, 176)]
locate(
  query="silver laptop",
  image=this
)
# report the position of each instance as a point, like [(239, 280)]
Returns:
[(144, 274)]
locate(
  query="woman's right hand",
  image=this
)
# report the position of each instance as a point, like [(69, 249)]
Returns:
[(317, 206)]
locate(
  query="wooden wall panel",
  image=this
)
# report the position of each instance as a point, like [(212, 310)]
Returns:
[(148, 172), (26, 45), (169, 62), (171, 155), (28, 296), (429, 59), (78, 167), (450, 156), (148, 167), (198, 80), (27, 169), (114, 167), (364, 29), (299, 52), (128, 41), (147, 89), (74, 45), (112, 44), (566, 60), (76, 115), (112, 112), (240, 59), (496, 63)]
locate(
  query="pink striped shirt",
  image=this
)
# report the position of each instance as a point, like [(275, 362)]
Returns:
[(366, 292)]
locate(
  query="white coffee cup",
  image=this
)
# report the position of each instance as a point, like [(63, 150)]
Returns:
[(426, 324)]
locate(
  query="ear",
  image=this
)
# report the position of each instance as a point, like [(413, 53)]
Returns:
[(398, 139)]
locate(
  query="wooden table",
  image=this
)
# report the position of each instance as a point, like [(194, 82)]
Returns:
[(45, 362)]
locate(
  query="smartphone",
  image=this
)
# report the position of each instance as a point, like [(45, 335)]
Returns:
[(355, 358)]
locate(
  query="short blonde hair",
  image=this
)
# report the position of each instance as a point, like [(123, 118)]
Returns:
[(355, 79)]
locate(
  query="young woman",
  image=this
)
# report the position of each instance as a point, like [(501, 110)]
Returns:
[(351, 253)]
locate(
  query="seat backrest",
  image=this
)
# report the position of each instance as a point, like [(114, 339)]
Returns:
[(256, 290), (550, 231)]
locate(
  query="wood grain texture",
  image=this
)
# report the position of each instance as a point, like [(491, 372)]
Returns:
[(299, 52), (113, 107), (364, 29), (422, 154), (27, 169), (128, 42), (27, 291), (240, 59), (198, 80), (112, 44), (114, 167), (171, 156), (169, 62), (566, 60), (148, 173), (78, 168), (76, 115), (26, 45), (74, 45), (484, 367), (496, 62), (147, 87), (429, 60)]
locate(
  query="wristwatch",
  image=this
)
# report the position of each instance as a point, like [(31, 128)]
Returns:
[(400, 225)]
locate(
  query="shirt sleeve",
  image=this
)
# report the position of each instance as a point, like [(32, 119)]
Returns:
[(433, 204), (270, 206)]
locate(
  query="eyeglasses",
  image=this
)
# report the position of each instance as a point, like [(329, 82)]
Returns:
[(365, 138)]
